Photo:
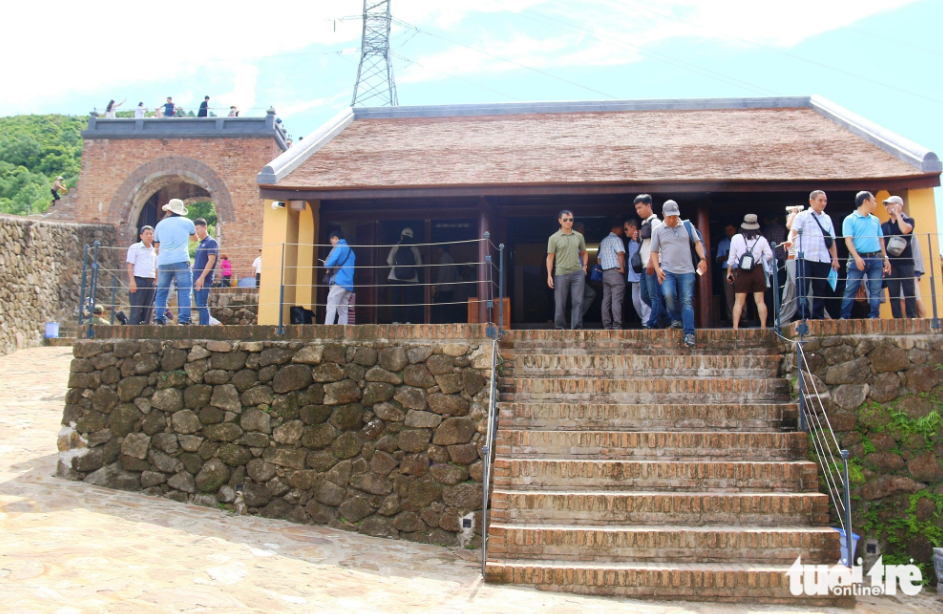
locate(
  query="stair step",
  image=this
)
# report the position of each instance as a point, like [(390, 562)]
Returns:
[(646, 417), (660, 508), (717, 544), (665, 445), (642, 390), (728, 582), (610, 365), (664, 475)]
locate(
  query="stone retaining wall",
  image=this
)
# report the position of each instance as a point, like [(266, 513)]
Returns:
[(882, 387), (234, 306), (40, 275), (380, 437)]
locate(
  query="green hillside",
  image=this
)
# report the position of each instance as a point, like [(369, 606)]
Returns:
[(34, 150)]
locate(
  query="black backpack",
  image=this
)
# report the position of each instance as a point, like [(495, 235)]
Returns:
[(404, 258)]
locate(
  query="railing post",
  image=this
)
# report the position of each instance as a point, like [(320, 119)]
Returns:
[(486, 451), (114, 293), (82, 295), (802, 404), (500, 290), (281, 296), (93, 288), (802, 293), (777, 322), (936, 320), (849, 539)]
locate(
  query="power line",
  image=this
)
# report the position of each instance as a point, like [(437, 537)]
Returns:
[(442, 72), (404, 24), (375, 72)]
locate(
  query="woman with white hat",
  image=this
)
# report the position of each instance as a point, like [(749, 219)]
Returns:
[(749, 250), (405, 260)]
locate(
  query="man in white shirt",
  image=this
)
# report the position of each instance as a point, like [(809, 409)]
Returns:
[(142, 273), (257, 269), (814, 235), (649, 286)]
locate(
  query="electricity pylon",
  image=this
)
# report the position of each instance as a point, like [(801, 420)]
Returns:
[(375, 86)]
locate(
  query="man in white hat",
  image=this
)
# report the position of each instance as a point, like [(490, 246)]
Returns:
[(171, 237)]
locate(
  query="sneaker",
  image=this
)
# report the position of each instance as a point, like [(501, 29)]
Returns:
[(160, 323), (689, 341), (676, 325)]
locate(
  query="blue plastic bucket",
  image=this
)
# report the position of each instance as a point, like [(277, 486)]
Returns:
[(52, 330), (844, 546)]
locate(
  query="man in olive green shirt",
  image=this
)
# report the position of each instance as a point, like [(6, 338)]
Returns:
[(566, 270)]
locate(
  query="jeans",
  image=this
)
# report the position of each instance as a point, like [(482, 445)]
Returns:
[(659, 317), (679, 298), (874, 270), (142, 301), (166, 273), (338, 301), (814, 274), (201, 298), (902, 279), (613, 293), (572, 284)]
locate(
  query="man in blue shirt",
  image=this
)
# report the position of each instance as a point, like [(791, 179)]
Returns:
[(169, 108), (204, 265), (343, 259), (171, 237), (867, 258)]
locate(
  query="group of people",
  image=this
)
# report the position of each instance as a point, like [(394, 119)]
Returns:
[(660, 258), (162, 259), (167, 109)]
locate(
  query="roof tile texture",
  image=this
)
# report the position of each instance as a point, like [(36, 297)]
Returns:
[(610, 147)]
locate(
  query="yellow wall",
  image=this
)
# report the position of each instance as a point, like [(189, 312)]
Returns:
[(284, 228), (920, 205)]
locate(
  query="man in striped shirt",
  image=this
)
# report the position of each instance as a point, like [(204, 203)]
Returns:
[(611, 258)]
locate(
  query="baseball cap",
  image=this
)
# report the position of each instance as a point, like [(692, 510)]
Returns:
[(670, 208), (894, 200)]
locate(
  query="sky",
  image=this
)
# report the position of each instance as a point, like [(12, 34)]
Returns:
[(876, 58)]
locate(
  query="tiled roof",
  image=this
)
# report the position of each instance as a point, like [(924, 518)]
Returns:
[(635, 146)]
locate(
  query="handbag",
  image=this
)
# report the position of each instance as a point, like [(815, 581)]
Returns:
[(596, 273), (748, 260), (896, 245), (329, 273)]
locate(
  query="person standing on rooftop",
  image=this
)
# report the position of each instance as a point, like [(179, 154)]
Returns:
[(567, 260), (140, 111), (110, 109), (169, 107), (204, 107)]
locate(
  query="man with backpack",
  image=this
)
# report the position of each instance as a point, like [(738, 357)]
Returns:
[(404, 260), (677, 254)]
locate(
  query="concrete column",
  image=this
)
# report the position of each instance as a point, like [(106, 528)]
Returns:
[(704, 284), (306, 275), (279, 227)]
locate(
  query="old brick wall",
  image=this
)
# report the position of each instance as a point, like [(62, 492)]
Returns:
[(382, 437), (40, 275), (882, 387), (113, 170)]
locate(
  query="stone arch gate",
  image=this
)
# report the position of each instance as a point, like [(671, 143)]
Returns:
[(129, 165)]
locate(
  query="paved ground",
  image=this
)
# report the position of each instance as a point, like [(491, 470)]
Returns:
[(69, 548)]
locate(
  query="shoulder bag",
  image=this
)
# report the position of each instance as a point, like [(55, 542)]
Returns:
[(329, 274), (826, 236)]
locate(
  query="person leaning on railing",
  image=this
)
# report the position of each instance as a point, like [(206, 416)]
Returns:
[(867, 258), (898, 232)]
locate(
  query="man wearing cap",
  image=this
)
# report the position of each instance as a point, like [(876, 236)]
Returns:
[(98, 316), (866, 256), (649, 288), (142, 271), (567, 260), (171, 239), (817, 255), (675, 268), (404, 260), (899, 230)]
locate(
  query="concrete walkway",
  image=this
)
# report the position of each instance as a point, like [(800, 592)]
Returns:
[(70, 548)]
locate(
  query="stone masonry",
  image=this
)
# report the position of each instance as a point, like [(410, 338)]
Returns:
[(41, 275), (382, 437), (626, 464)]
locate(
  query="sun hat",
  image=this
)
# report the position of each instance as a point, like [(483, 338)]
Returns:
[(176, 206), (895, 200), (407, 232), (670, 208), (749, 222), (98, 309)]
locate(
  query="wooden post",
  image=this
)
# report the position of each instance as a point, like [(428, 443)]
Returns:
[(705, 284)]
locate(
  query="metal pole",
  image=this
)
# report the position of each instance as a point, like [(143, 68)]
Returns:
[(486, 454), (82, 296), (500, 290), (114, 292), (93, 291), (849, 540), (777, 322), (936, 321), (281, 297), (490, 264)]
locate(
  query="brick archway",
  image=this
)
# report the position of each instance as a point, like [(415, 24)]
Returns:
[(137, 187)]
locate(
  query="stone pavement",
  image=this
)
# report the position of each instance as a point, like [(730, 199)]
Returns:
[(71, 548)]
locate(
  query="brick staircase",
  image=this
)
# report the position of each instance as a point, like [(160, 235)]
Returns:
[(629, 465)]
